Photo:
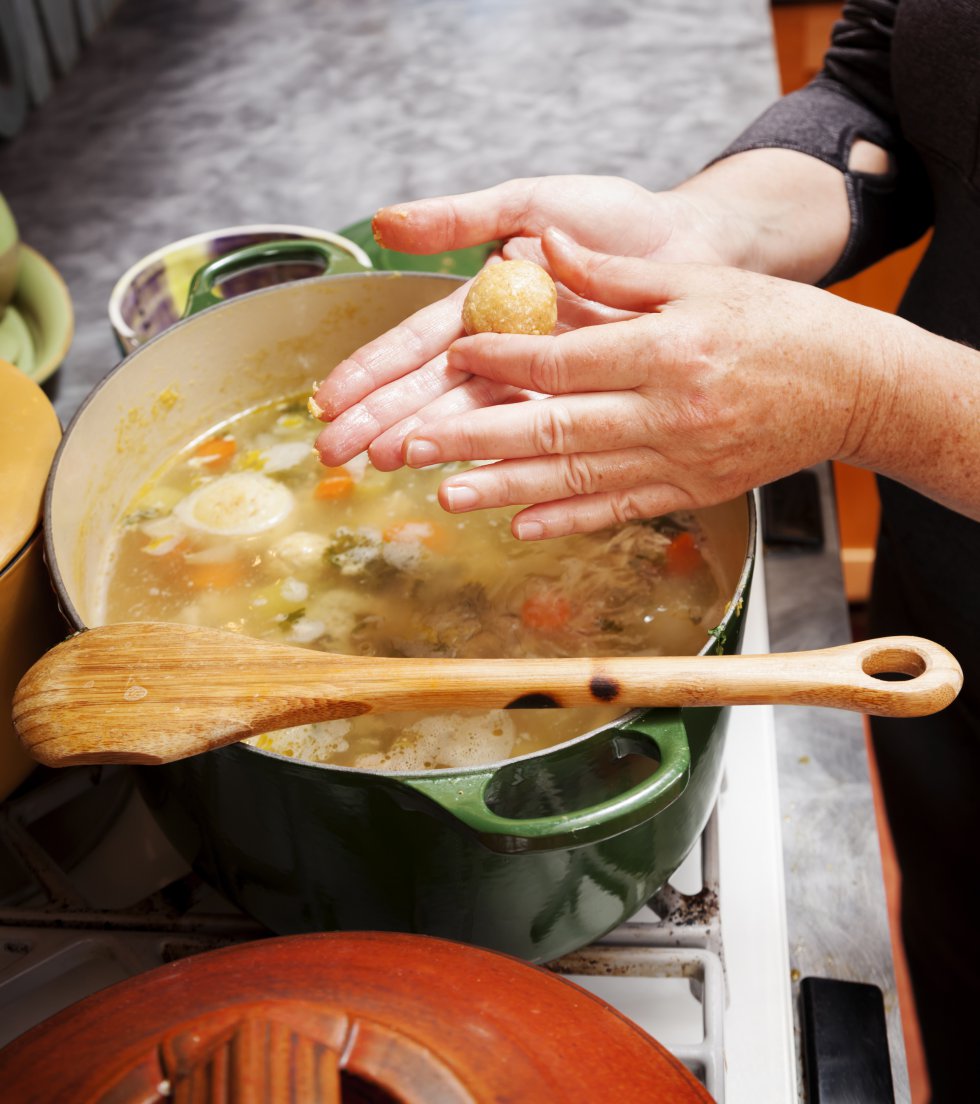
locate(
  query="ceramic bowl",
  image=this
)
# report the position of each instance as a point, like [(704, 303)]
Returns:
[(151, 295), (37, 326), (16, 340), (9, 249), (29, 621)]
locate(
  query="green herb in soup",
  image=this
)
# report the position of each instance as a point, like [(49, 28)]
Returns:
[(246, 531)]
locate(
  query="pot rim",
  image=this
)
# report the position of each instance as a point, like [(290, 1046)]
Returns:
[(74, 619)]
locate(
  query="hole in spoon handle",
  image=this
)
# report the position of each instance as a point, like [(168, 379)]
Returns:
[(908, 676), (891, 660)]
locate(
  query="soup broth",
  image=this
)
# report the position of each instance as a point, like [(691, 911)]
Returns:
[(246, 531)]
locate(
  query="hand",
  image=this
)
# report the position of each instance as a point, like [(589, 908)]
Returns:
[(721, 380), (394, 384)]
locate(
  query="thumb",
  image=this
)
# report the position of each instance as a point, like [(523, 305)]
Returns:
[(629, 283)]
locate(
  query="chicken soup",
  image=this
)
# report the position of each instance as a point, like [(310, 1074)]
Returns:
[(246, 531)]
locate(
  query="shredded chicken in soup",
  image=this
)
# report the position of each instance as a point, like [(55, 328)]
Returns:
[(246, 531)]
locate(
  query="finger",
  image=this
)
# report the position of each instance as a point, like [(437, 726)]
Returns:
[(576, 423), (574, 312), (401, 350), (625, 282), (386, 452), (524, 249), (548, 478), (458, 221), (359, 425), (616, 357), (600, 511)]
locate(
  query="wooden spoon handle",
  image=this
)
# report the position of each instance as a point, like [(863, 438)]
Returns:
[(153, 692)]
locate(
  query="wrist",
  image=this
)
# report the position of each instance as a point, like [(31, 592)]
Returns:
[(720, 223), (786, 213), (919, 420), (872, 385)]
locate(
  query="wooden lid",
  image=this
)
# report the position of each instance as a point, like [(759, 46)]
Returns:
[(345, 1017), (29, 436)]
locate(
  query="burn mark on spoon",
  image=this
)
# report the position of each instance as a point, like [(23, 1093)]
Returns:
[(604, 688), (533, 701)]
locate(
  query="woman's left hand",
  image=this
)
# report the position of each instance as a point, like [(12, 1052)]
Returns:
[(724, 380)]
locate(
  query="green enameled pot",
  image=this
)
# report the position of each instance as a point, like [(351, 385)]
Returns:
[(535, 856)]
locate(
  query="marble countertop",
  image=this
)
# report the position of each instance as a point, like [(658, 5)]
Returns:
[(183, 117)]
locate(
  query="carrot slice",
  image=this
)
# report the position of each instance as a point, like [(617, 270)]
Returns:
[(546, 611), (216, 452), (215, 576), (417, 532), (338, 484), (683, 556)]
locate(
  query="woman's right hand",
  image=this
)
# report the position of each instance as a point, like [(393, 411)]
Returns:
[(387, 388)]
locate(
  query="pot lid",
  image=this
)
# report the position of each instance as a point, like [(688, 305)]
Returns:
[(29, 436), (344, 1016)]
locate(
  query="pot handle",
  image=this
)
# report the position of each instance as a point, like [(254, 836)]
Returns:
[(335, 258), (464, 798)]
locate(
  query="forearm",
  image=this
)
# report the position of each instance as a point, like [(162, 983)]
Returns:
[(917, 417), (780, 212), (803, 158)]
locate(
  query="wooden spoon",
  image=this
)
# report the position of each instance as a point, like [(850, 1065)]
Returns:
[(151, 692)]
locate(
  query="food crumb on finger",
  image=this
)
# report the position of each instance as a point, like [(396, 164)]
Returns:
[(315, 408), (389, 213)]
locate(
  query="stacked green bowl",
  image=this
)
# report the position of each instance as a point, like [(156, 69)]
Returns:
[(36, 316)]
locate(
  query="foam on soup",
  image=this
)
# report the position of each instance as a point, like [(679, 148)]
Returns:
[(245, 530)]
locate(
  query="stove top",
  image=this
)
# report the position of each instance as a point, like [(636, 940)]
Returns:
[(92, 893)]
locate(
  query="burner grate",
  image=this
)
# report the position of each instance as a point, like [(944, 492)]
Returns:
[(703, 972), (677, 935)]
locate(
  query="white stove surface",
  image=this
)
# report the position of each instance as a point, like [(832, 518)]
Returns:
[(722, 1002), (760, 1047)]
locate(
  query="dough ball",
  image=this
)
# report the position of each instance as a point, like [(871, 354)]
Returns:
[(511, 297)]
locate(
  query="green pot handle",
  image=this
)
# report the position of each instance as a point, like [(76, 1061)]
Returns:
[(464, 797), (201, 293)]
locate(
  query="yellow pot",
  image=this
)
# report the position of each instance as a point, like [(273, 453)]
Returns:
[(29, 619)]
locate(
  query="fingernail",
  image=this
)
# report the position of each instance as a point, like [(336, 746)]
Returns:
[(461, 498), (389, 213), (419, 453), (326, 403), (455, 359), (559, 237), (325, 453), (529, 530)]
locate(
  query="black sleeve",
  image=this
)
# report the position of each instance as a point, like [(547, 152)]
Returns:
[(852, 98)]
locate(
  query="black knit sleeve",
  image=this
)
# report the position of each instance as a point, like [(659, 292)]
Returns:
[(852, 98)]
